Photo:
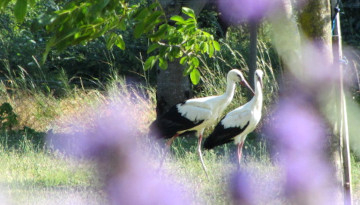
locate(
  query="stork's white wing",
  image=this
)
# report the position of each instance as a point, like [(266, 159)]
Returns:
[(236, 118), (195, 111)]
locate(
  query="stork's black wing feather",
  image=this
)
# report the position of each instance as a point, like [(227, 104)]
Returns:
[(170, 123), (222, 135)]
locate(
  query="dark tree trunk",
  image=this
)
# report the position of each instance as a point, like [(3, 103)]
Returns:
[(172, 86), (253, 28)]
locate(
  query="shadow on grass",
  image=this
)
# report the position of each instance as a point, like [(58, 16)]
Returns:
[(22, 140), (255, 146)]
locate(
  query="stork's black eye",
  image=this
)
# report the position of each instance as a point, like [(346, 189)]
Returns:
[(239, 76)]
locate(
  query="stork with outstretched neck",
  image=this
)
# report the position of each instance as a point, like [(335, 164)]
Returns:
[(196, 114), (237, 124)]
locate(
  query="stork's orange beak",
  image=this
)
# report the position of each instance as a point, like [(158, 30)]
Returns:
[(246, 84)]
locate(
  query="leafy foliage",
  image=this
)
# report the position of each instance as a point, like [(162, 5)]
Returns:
[(20, 8), (14, 138), (8, 119), (11, 138), (80, 22), (184, 41)]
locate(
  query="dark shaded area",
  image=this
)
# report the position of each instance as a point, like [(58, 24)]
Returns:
[(350, 22), (222, 135), (25, 138), (167, 125), (11, 137)]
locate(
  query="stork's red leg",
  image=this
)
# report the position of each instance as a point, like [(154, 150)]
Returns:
[(200, 154), (167, 149), (239, 151), (171, 140)]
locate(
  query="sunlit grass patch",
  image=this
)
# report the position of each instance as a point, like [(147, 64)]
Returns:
[(55, 195), (44, 170), (355, 171), (36, 177)]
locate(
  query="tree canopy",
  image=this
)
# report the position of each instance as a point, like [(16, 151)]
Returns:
[(79, 22)]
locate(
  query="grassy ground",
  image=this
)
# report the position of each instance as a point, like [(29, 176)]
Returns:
[(32, 175), (355, 172), (221, 165), (37, 177), (44, 178)]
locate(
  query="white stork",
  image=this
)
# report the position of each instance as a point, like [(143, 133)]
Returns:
[(196, 114), (237, 124)]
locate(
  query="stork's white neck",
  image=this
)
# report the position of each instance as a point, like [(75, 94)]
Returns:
[(230, 90), (258, 97)]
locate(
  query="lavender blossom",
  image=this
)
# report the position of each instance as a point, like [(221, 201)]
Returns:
[(300, 135), (127, 176), (237, 11), (241, 189)]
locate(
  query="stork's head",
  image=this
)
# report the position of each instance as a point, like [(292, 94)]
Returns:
[(258, 76), (237, 76)]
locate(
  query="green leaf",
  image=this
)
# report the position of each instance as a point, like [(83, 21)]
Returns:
[(32, 2), (206, 34), (151, 21), (141, 14), (183, 60), (163, 51), (211, 50), (150, 62), (188, 12), (195, 76), (195, 62), (178, 19), (216, 45), (110, 40), (100, 5), (77, 35), (153, 6), (163, 63), (179, 54), (152, 47), (20, 10), (203, 47), (120, 42), (4, 3), (158, 34), (188, 70), (139, 29), (122, 25)]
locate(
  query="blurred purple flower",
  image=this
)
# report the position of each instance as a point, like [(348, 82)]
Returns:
[(241, 189), (300, 136), (114, 127), (317, 65), (144, 186), (237, 11), (126, 174)]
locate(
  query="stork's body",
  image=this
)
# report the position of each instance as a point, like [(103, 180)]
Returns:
[(237, 124), (196, 114)]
